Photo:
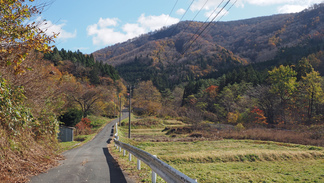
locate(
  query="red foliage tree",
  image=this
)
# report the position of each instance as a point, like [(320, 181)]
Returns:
[(84, 126), (258, 116)]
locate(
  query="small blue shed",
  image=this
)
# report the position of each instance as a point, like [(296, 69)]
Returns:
[(65, 134)]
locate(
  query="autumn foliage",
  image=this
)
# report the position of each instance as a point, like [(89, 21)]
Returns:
[(17, 38), (84, 126), (258, 116)]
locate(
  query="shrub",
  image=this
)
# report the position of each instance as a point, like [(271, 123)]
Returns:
[(83, 127), (239, 127)]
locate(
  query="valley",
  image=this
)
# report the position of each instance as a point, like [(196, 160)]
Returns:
[(242, 101)]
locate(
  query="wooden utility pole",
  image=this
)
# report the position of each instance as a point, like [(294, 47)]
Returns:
[(130, 110), (120, 110)]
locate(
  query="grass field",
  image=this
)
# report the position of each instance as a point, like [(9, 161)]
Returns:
[(228, 160)]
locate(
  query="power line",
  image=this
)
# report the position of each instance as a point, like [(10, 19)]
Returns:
[(200, 10), (175, 28), (224, 13), (195, 15), (187, 10), (203, 23), (207, 26), (171, 12)]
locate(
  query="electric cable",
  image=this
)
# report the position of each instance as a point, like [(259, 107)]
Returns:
[(204, 23), (175, 28), (223, 14), (171, 12), (195, 16), (206, 26)]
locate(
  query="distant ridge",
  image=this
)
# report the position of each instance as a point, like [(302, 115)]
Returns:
[(222, 45)]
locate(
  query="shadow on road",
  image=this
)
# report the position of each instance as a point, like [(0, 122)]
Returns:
[(116, 174)]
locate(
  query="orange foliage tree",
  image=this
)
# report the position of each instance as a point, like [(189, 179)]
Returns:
[(84, 126), (258, 116), (212, 91)]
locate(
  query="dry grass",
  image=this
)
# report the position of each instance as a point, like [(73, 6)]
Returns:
[(22, 157), (302, 135), (210, 153), (286, 136)]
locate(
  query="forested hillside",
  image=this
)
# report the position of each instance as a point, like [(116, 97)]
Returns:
[(262, 71), (169, 55)]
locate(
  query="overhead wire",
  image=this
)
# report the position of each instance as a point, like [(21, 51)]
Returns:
[(224, 13), (171, 12), (200, 10), (206, 26), (204, 23), (195, 16), (175, 28)]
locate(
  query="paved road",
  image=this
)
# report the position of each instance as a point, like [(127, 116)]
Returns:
[(91, 162)]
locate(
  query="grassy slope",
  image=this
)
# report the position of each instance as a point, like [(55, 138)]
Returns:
[(231, 160)]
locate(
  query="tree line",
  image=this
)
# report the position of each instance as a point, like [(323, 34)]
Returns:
[(81, 65), (284, 95)]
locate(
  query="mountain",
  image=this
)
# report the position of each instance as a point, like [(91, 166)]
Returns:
[(170, 56)]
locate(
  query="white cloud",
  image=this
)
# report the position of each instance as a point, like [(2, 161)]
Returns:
[(49, 28), (267, 2), (180, 11), (283, 6), (291, 8), (210, 5), (155, 22), (107, 22), (107, 31), (133, 30), (105, 35)]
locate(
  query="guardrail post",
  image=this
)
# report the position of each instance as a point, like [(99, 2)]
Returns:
[(196, 180), (129, 156), (154, 174), (166, 172), (138, 164)]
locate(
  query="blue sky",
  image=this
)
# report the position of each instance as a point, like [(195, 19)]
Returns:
[(91, 25)]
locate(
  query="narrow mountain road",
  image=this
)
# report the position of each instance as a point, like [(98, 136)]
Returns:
[(91, 162)]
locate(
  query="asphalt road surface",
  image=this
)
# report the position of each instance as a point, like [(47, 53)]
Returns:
[(91, 162)]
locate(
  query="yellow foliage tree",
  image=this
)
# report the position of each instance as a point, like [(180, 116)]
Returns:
[(148, 98), (232, 117), (18, 38)]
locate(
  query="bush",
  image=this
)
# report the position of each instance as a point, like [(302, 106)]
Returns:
[(71, 117), (83, 127)]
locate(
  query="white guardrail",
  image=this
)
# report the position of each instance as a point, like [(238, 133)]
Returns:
[(165, 171)]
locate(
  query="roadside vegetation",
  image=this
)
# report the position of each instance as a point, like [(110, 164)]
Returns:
[(38, 93)]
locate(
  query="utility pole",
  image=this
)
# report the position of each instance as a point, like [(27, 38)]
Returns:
[(129, 119), (120, 110)]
